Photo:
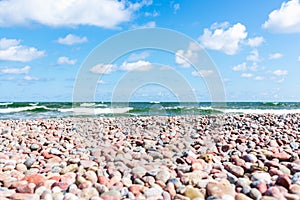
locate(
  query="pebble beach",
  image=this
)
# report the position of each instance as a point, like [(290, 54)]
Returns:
[(228, 156)]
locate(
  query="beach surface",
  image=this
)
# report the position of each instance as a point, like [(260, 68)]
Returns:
[(228, 156)]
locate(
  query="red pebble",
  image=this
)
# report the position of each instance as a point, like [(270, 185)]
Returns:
[(61, 185), (284, 181), (103, 180), (47, 155), (37, 179)]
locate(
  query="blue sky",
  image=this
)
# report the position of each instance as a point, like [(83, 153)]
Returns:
[(254, 45)]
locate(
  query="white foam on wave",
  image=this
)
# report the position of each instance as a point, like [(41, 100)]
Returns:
[(6, 103), (262, 111), (21, 109), (95, 111)]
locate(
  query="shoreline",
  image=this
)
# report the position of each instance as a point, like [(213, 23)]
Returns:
[(229, 156)]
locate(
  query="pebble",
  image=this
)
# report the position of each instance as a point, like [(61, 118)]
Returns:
[(154, 158), (193, 193), (163, 176), (296, 178)]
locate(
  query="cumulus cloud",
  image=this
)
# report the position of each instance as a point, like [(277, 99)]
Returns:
[(12, 50), (140, 65), (255, 42), (286, 19), (176, 7), (246, 75), (189, 54), (259, 78), (101, 13), (150, 24), (6, 70), (275, 56), (280, 72), (30, 78), (103, 68), (71, 39), (254, 56), (65, 60), (138, 56), (225, 38), (202, 73), (245, 67)]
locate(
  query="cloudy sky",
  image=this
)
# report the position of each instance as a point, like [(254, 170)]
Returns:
[(254, 44)]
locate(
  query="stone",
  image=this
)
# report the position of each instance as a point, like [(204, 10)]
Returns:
[(69, 168), (261, 176), (295, 189), (21, 167), (255, 193), (219, 189), (111, 193), (138, 172), (250, 158), (296, 178), (88, 193), (91, 176), (21, 196), (37, 179), (55, 151), (274, 192), (282, 156), (26, 188), (152, 192), (284, 181), (88, 163), (240, 196), (163, 176), (29, 162), (235, 170), (193, 193), (34, 147)]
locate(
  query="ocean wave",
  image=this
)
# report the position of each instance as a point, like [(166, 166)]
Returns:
[(23, 109), (6, 103), (95, 111), (261, 111)]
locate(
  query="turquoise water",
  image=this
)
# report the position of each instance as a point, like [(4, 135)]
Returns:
[(31, 110)]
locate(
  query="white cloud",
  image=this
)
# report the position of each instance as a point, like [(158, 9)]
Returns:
[(151, 14), (101, 13), (246, 75), (24, 70), (150, 24), (259, 78), (140, 65), (245, 67), (138, 56), (275, 56), (176, 7), (6, 43), (224, 39), (190, 54), (11, 50), (255, 42), (72, 39), (280, 72), (103, 68), (203, 73), (254, 56), (286, 19), (65, 60), (30, 78), (299, 58)]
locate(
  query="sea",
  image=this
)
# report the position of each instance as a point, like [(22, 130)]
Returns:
[(33, 110)]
